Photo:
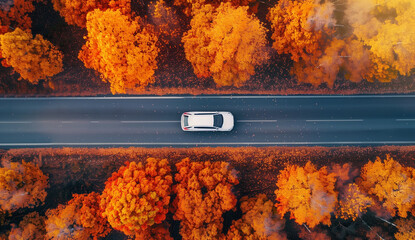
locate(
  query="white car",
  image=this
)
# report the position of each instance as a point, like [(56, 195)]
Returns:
[(207, 121)]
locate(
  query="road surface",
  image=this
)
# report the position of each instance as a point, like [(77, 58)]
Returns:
[(259, 121)]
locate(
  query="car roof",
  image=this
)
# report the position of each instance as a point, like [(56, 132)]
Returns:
[(201, 120)]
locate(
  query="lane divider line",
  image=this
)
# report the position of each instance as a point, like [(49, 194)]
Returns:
[(213, 143), (17, 122), (404, 120), (334, 120), (248, 121), (176, 121)]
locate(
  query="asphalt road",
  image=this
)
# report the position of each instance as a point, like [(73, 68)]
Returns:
[(259, 120)]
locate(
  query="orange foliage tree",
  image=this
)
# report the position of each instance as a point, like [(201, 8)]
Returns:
[(21, 185), (226, 43), (406, 229), (121, 49), (391, 183), (300, 28), (33, 58), (155, 232), (14, 14), (31, 227), (260, 220), (75, 11), (309, 194), (204, 193), (79, 219), (349, 55), (190, 7), (137, 196), (352, 202)]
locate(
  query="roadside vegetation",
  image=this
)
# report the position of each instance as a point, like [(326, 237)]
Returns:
[(79, 47), (208, 193)]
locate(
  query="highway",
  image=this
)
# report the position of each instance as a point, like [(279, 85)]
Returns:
[(362, 120)]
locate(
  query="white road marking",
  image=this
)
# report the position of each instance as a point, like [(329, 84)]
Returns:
[(335, 120), (214, 143), (94, 121), (218, 97), (150, 121), (248, 121), (66, 121), (17, 122), (403, 120)]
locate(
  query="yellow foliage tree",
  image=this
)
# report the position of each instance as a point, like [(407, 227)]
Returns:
[(33, 58), (79, 219), (31, 227), (192, 6), (204, 193), (122, 50), (15, 13), (75, 11), (391, 183), (352, 203), (260, 221), (387, 28), (226, 43), (21, 185), (300, 28), (406, 229), (137, 196), (307, 193)]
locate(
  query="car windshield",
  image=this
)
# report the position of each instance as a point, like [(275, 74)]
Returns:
[(218, 120), (186, 121)]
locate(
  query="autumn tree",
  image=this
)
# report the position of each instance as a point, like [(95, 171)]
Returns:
[(15, 14), (137, 196), (391, 183), (75, 11), (301, 28), (307, 193), (122, 49), (31, 227), (204, 193), (21, 185), (260, 220), (155, 232), (352, 202), (386, 27), (190, 7), (165, 21), (34, 58), (79, 219), (406, 229), (226, 43)]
